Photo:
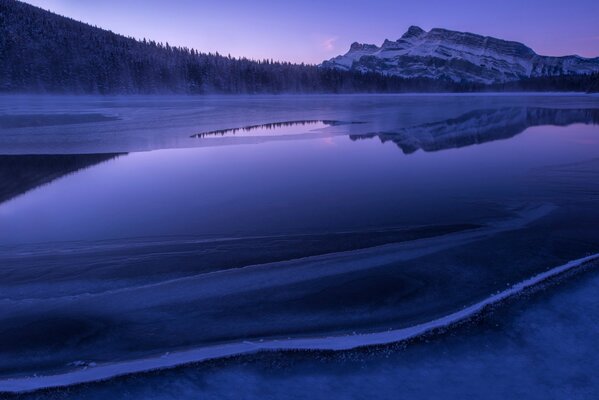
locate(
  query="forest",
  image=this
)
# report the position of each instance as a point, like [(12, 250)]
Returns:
[(41, 52)]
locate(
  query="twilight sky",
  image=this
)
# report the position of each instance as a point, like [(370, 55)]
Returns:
[(311, 31)]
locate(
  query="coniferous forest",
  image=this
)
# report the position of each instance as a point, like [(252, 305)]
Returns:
[(44, 52)]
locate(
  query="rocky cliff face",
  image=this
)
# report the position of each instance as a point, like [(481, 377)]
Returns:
[(457, 56)]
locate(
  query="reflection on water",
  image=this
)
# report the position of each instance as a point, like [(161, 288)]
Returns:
[(19, 174), (480, 126), (326, 183), (273, 128)]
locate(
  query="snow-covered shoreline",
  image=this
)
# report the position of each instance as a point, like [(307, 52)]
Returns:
[(345, 342)]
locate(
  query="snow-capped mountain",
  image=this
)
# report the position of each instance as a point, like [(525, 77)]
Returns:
[(458, 56)]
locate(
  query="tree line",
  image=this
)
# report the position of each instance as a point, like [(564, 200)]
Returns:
[(44, 52)]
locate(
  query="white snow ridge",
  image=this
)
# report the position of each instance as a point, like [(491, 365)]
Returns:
[(457, 56)]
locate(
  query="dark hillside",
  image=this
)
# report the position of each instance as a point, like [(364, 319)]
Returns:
[(42, 52)]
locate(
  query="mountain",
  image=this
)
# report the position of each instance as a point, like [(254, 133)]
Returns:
[(42, 52), (457, 56)]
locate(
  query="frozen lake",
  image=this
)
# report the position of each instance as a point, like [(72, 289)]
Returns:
[(132, 228)]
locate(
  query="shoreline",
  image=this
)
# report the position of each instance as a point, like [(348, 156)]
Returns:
[(335, 343), (277, 95)]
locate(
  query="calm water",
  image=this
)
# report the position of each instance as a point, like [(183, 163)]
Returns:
[(132, 227)]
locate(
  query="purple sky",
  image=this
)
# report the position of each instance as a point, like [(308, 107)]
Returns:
[(311, 31)]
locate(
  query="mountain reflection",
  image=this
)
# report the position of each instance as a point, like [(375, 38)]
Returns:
[(480, 126), (311, 123), (22, 173)]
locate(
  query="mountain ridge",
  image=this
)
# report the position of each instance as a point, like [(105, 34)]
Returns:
[(458, 57), (43, 52)]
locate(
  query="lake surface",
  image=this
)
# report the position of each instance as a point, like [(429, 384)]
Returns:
[(133, 228)]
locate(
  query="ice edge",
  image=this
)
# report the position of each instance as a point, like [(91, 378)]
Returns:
[(345, 342)]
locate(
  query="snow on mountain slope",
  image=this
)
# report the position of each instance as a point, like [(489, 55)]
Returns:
[(457, 56)]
